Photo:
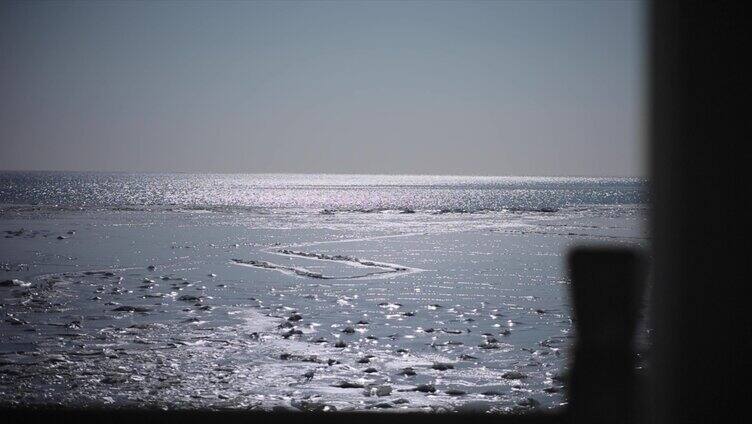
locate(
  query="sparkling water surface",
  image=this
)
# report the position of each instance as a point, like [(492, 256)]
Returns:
[(337, 192), (304, 292)]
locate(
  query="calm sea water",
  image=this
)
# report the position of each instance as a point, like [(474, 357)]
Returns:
[(335, 192), (295, 291)]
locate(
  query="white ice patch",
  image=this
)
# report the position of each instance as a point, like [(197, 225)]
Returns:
[(383, 269)]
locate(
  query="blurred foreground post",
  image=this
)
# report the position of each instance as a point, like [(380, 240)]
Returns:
[(607, 288)]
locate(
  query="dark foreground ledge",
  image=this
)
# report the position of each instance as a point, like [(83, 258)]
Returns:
[(130, 416)]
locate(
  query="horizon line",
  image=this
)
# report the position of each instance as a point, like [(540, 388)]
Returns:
[(322, 173)]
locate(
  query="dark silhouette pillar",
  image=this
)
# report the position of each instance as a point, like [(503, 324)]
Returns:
[(700, 163), (607, 287)]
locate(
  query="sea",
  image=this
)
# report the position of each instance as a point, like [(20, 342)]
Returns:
[(297, 292)]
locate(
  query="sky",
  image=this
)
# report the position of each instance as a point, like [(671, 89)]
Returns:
[(467, 88)]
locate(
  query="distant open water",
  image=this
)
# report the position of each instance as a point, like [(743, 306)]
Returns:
[(332, 192)]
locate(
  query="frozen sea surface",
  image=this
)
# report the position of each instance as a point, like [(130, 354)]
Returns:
[(296, 292)]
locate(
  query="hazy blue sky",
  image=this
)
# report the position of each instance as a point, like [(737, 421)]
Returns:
[(484, 88)]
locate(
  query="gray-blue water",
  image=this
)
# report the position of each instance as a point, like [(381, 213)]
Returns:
[(270, 291), (337, 192)]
